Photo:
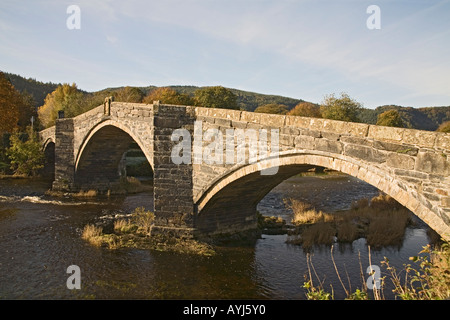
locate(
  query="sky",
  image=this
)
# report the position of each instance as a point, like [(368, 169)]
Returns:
[(303, 49)]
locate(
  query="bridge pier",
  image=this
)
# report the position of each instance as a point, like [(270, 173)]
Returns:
[(64, 155), (172, 183)]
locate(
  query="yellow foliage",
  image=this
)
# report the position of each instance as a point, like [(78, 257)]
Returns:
[(10, 100)]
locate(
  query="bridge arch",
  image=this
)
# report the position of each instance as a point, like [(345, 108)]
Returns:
[(48, 170), (233, 198), (101, 153)]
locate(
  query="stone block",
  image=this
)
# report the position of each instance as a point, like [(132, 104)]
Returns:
[(356, 129), (305, 142), (357, 140), (330, 135), (435, 163), (251, 117), (365, 153), (300, 122), (272, 120), (401, 161), (311, 133), (442, 141), (419, 137), (223, 122), (385, 133), (395, 147), (445, 202), (329, 146)]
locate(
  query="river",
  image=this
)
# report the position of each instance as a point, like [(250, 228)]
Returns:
[(40, 237)]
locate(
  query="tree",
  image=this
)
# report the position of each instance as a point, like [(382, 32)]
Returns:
[(444, 127), (27, 110), (216, 97), (129, 94), (306, 109), (273, 108), (26, 155), (168, 96), (343, 108), (390, 118), (66, 98), (10, 100)]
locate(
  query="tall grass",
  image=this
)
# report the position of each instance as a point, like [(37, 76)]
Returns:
[(427, 279), (381, 220), (141, 221), (92, 234), (305, 213)]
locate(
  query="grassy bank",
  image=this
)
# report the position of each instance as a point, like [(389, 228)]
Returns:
[(136, 232)]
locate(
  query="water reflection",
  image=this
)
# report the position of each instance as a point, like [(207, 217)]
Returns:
[(40, 238)]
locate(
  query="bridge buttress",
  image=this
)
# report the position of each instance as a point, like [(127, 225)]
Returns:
[(173, 186), (64, 155)]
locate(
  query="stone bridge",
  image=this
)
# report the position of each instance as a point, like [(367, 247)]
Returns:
[(205, 184)]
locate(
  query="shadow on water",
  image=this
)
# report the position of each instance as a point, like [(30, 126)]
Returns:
[(40, 237)]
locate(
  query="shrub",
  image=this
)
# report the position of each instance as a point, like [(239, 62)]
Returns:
[(27, 157), (143, 219)]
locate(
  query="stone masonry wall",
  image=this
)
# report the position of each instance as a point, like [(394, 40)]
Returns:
[(415, 162), (64, 160), (411, 165), (172, 182)]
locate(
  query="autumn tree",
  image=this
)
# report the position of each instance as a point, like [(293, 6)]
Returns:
[(216, 97), (390, 118), (444, 127), (306, 109), (168, 96), (129, 94), (273, 108), (10, 100), (343, 108), (66, 98)]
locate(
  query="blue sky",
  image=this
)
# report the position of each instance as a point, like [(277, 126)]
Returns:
[(303, 49)]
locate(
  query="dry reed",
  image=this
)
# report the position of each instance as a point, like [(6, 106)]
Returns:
[(93, 234), (382, 221)]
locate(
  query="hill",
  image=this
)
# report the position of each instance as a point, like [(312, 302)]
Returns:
[(248, 101), (426, 118), (37, 89)]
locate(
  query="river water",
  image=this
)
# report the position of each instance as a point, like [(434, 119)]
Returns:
[(40, 237)]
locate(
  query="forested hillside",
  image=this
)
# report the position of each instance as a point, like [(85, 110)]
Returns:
[(426, 118), (37, 89)]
